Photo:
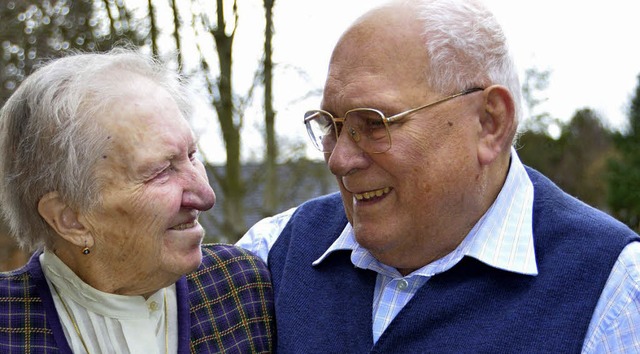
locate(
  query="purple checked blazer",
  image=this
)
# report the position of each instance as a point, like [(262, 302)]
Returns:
[(226, 305)]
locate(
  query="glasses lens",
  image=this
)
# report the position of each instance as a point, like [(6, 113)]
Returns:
[(368, 129), (321, 130)]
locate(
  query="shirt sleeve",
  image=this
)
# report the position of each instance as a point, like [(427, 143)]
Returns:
[(261, 236), (616, 319)]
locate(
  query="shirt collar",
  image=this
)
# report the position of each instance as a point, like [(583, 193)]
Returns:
[(105, 304), (502, 238)]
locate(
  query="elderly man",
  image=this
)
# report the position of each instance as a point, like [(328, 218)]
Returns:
[(440, 239), (100, 177)]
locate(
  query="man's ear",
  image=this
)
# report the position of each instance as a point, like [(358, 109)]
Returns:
[(63, 219), (498, 123)]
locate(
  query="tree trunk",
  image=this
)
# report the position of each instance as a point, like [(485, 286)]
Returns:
[(176, 32), (232, 184), (270, 198), (153, 30)]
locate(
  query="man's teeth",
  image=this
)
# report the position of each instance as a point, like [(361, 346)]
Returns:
[(371, 194), (185, 226)]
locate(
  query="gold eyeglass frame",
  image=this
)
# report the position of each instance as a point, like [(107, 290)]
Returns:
[(355, 135)]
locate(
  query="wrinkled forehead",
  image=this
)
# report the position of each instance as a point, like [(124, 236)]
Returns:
[(381, 56), (143, 125), (392, 32)]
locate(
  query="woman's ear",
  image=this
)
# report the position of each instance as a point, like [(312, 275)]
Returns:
[(498, 123), (63, 219)]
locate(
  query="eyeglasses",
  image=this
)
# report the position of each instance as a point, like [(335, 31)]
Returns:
[(367, 127)]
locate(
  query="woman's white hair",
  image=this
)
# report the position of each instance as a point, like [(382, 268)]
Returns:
[(49, 139)]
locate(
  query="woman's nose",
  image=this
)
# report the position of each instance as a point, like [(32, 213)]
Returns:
[(198, 194)]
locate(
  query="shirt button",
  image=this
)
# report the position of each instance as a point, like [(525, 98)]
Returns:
[(403, 284), (153, 306)]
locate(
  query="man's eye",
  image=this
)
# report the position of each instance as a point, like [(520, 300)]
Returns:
[(337, 126), (375, 123)]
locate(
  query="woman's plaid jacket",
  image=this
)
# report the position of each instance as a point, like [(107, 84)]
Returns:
[(226, 305)]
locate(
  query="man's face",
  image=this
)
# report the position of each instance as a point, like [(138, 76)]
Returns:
[(410, 204), (153, 189)]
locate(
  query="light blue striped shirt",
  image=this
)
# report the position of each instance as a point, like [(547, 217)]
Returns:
[(503, 239)]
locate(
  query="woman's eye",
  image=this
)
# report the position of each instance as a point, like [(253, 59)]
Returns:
[(165, 171), (160, 176)]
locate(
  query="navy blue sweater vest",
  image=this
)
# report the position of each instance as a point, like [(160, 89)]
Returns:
[(472, 308)]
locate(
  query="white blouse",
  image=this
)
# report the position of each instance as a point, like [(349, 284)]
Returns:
[(110, 323)]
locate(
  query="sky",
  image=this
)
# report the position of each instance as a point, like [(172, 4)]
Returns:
[(590, 48)]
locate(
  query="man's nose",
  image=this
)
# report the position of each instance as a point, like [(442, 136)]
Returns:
[(347, 155)]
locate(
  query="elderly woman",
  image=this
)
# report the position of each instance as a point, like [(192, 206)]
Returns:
[(99, 175)]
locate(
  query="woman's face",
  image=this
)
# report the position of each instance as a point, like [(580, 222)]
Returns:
[(145, 230)]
